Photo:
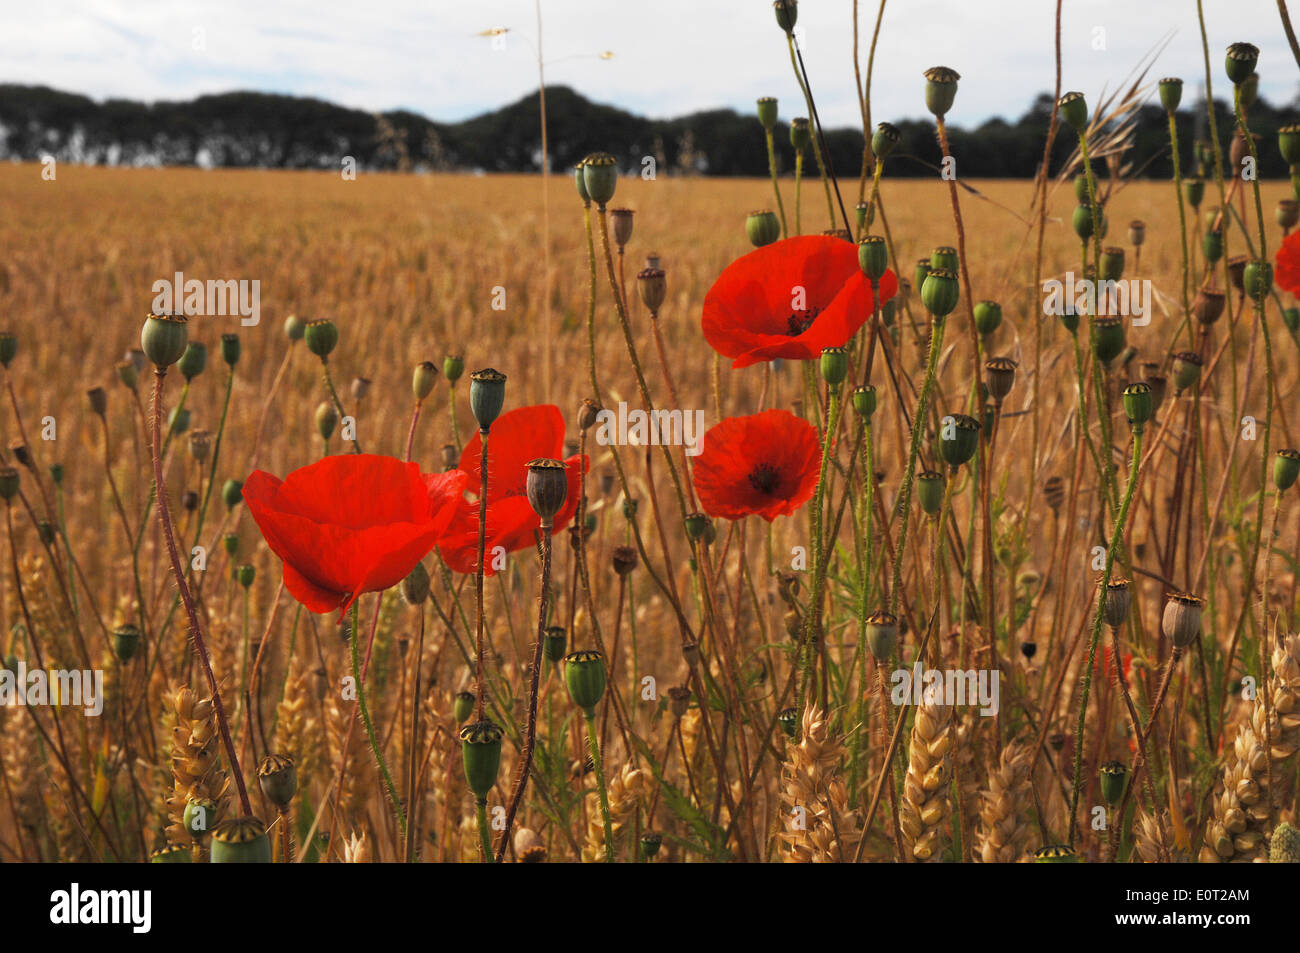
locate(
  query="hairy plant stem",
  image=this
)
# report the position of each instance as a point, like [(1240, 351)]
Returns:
[(776, 187), (812, 620), (593, 748), (369, 725), (480, 688)]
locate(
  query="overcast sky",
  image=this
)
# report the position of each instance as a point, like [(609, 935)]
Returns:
[(669, 56)]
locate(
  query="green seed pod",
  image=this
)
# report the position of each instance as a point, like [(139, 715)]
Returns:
[(1112, 263), (230, 349), (920, 271), (861, 215), (1000, 376), (834, 365), (600, 176), (1171, 93), (884, 140), (1212, 245), (241, 841), (415, 587), (1288, 142), (327, 418), (1257, 279), (959, 439), (278, 778), (1081, 189), (940, 89), (56, 473), (232, 492), (171, 854), (1139, 404), (462, 707), (944, 258), (555, 643), (126, 642), (199, 817), (244, 575), (1240, 62), (800, 133), (487, 395), (873, 257), (988, 317), (787, 13), (547, 487), (178, 421), (8, 348), (864, 400), (650, 843), (1291, 318), (1107, 338), (581, 182), (1137, 232), (1286, 468), (762, 227), (767, 112), (1074, 110), (321, 337), (163, 338), (1056, 854), (1287, 214), (294, 328), (480, 749), (193, 361), (9, 482), (584, 674), (423, 379), (696, 525), (652, 286), (1113, 776), (788, 718), (1194, 192), (881, 631), (1187, 369), (929, 491), (940, 292), (1181, 621), (1250, 92), (1082, 221), (452, 367)]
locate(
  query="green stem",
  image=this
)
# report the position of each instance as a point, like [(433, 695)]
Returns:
[(370, 728), (771, 167), (593, 747)]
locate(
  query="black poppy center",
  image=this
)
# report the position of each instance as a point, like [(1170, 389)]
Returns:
[(800, 322), (764, 478)]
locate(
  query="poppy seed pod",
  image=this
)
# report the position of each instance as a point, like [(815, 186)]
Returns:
[(584, 675), (200, 444), (480, 751), (679, 700), (1288, 142), (193, 361), (945, 256), (230, 349), (1000, 375), (762, 227), (423, 378), (98, 400), (581, 184), (56, 473), (1194, 192), (929, 491), (327, 418), (787, 13), (321, 336), (487, 395), (622, 218), (1212, 245), (232, 492), (1107, 338), (767, 112), (1137, 232), (126, 641), (697, 524), (1181, 622), (1082, 221), (940, 89), (920, 271), (940, 292), (1113, 776), (1112, 263), (1240, 62), (127, 374), (1118, 601), (8, 348), (1286, 468), (650, 843), (1139, 404), (1081, 188), (360, 387), (554, 643), (452, 367), (1240, 149), (864, 400), (1054, 492), (1171, 93), (415, 586), (295, 329), (834, 365), (600, 176), (1287, 214), (884, 139), (800, 133), (462, 706), (1208, 305), (788, 719), (1056, 854), (1258, 279), (244, 575), (1028, 649), (861, 215), (959, 439), (624, 559), (241, 841), (873, 257), (178, 421), (881, 630), (547, 487), (1074, 110), (652, 287), (230, 543), (988, 317), (1187, 369), (163, 338), (278, 779), (171, 854)]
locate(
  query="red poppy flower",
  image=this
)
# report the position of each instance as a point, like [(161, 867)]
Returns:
[(1287, 270), (763, 465), (791, 299), (518, 436), (351, 523)]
